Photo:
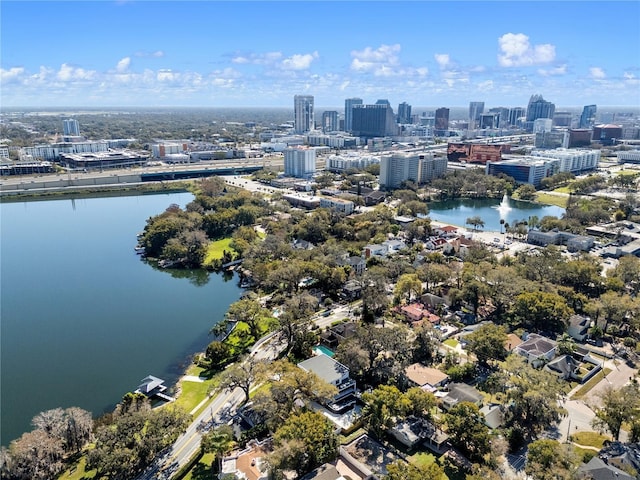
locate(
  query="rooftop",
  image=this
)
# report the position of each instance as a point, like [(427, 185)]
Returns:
[(328, 369)]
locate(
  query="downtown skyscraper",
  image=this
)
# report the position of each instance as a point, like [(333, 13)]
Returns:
[(348, 112), (303, 119), (475, 110)]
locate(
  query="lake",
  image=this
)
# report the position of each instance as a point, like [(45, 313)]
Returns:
[(84, 319), (491, 210)]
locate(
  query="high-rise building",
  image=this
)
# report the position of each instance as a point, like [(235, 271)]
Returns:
[(442, 121), (373, 121), (588, 117), (299, 162), (502, 116), (539, 108), (401, 167), (489, 120), (329, 121), (562, 119), (404, 113), (383, 101), (515, 114), (348, 112), (303, 120), (475, 110), (71, 128)]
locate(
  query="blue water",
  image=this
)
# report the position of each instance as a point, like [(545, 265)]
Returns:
[(456, 212), (84, 319), (324, 350)]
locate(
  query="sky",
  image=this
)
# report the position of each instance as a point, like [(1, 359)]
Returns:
[(262, 53)]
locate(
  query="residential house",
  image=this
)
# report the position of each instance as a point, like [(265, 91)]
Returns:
[(413, 312), (394, 245), (461, 392), (597, 469), (375, 250), (374, 197), (435, 243), (404, 221), (458, 246), (512, 342), (334, 373), (537, 349), (447, 231), (357, 264), (571, 367), (579, 327), (621, 455), (337, 334), (300, 244), (424, 377), (248, 463), (352, 289), (414, 431), (493, 416)]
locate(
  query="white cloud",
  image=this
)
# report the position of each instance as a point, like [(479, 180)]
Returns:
[(442, 59), (268, 58), (158, 54), (516, 51), (299, 62), (597, 73), (12, 74), (383, 61), (123, 65), (344, 85), (70, 73), (559, 70)]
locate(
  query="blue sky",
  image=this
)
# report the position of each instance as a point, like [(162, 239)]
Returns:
[(241, 53)]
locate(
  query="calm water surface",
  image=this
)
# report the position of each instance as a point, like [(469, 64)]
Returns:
[(83, 319), (491, 210)]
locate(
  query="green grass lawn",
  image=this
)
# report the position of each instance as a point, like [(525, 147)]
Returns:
[(586, 388), (422, 459), (590, 439), (78, 472), (201, 470), (452, 342), (216, 249), (542, 197), (565, 189)]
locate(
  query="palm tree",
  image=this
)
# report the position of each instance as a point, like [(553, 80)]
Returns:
[(218, 441), (566, 344), (502, 222)]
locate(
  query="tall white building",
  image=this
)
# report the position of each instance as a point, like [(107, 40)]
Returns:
[(71, 128), (303, 119), (400, 167), (299, 162), (572, 160)]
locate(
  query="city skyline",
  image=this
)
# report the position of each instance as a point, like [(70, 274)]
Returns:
[(259, 54)]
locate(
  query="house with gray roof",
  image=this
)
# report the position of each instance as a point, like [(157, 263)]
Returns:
[(537, 349), (461, 392), (597, 469), (334, 373)]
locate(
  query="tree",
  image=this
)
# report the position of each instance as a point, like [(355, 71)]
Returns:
[(401, 470), (305, 441), (526, 192), (475, 221), (467, 431), (382, 406), (550, 460), (532, 396), (618, 406), (242, 375), (291, 389), (420, 402), (488, 343), (36, 455), (566, 344), (218, 353), (249, 311), (218, 441), (127, 446), (408, 284), (541, 311)]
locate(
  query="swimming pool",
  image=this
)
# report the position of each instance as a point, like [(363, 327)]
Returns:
[(321, 349)]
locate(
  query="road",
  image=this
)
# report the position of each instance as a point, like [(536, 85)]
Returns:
[(218, 411)]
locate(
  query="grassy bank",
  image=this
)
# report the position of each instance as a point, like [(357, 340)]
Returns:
[(96, 192), (216, 249), (549, 199)]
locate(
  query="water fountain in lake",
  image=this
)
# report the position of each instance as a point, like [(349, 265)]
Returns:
[(504, 208)]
